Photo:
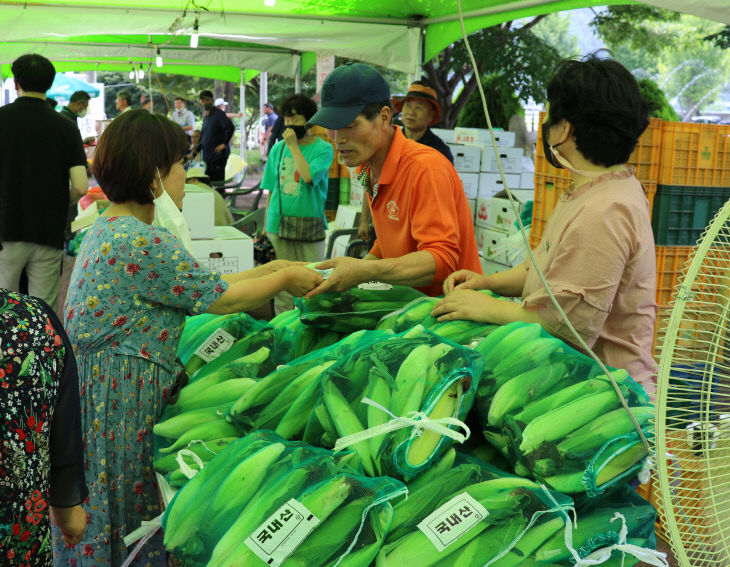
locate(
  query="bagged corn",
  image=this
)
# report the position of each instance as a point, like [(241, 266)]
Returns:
[(205, 337), (284, 400), (267, 501), (466, 513), (355, 309), (399, 403), (555, 416), (303, 338)]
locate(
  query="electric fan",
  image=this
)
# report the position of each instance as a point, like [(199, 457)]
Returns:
[(692, 438)]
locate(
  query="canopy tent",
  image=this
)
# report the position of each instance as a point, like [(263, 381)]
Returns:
[(64, 86), (394, 34)]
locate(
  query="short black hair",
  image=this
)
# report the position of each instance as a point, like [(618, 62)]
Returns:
[(205, 94), (131, 149), (125, 95), (373, 109), (180, 98), (299, 104), (269, 105), (601, 100), (79, 95), (33, 72)]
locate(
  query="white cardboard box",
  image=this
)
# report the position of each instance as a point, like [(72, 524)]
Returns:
[(490, 267), (466, 158), (470, 181), (357, 193), (446, 135), (527, 180), (230, 251), (481, 215), (491, 183), (199, 211), (502, 216), (511, 159), (482, 136), (347, 216), (499, 246)]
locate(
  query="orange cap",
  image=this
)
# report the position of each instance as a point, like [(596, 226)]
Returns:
[(422, 92)]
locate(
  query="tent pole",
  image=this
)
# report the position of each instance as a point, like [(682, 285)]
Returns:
[(242, 113), (2, 88), (263, 98), (298, 76)]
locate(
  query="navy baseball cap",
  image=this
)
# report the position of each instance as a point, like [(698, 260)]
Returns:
[(346, 91)]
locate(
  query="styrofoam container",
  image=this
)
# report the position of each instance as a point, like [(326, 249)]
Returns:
[(199, 211), (229, 252)]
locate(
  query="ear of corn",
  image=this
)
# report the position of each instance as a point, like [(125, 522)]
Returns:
[(214, 429)]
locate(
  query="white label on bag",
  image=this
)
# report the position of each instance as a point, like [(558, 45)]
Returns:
[(378, 286), (452, 520), (282, 532), (215, 345)]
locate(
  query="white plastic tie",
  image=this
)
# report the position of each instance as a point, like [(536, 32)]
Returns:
[(645, 472), (186, 469), (141, 534), (419, 421)]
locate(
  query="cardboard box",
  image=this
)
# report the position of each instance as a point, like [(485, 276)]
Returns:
[(491, 183), (482, 136), (446, 135), (473, 207), (229, 252), (491, 267), (466, 158), (501, 214), (348, 216), (481, 215), (357, 192), (470, 181), (511, 159), (527, 180), (499, 246), (199, 211)]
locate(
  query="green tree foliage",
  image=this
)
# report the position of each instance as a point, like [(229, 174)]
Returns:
[(721, 38), (502, 104), (633, 27), (554, 30), (655, 96), (512, 51)]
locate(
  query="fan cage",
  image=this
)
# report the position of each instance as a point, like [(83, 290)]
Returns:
[(691, 486)]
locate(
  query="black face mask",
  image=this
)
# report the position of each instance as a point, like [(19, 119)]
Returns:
[(300, 131), (546, 147)]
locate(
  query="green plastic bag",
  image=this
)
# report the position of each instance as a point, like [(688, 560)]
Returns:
[(264, 500), (355, 309), (304, 338), (414, 375)]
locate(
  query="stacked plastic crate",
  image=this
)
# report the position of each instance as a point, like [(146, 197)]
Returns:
[(694, 183)]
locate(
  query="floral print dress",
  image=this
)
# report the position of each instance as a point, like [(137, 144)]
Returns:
[(131, 288), (40, 425)]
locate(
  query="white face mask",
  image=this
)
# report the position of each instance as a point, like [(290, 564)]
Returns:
[(81, 114), (168, 216)]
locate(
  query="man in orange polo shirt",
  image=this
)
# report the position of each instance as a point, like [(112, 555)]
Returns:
[(419, 208)]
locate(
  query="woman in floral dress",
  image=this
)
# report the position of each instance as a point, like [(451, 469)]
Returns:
[(131, 288), (41, 463)]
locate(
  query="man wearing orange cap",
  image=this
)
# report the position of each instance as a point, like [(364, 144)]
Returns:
[(419, 109)]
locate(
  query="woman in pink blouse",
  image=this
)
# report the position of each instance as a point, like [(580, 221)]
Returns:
[(597, 251)]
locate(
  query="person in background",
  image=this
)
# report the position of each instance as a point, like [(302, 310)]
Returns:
[(147, 105), (197, 177), (419, 110), (597, 251), (42, 466), (131, 288), (424, 223), (220, 104), (77, 108), (267, 123), (40, 153), (183, 117), (215, 137), (53, 103), (124, 102), (296, 176)]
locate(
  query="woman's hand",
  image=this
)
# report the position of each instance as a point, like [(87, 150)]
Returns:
[(300, 280), (464, 279), (289, 136), (71, 522), (466, 304), (276, 265)]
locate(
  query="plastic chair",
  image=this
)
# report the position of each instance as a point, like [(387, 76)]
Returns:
[(252, 222), (356, 248), (234, 175)]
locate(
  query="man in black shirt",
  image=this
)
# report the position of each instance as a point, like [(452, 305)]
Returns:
[(40, 151), (215, 136)]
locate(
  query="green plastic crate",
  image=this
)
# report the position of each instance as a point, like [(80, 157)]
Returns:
[(681, 214)]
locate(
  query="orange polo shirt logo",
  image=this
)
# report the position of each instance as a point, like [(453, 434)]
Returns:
[(393, 210)]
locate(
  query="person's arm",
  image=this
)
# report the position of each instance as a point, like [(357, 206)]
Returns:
[(190, 122), (508, 283), (300, 162), (414, 269), (470, 305), (247, 294), (79, 183), (259, 271)]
